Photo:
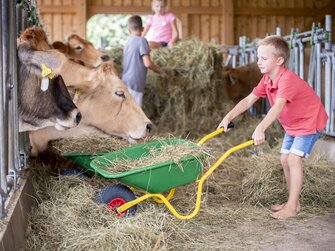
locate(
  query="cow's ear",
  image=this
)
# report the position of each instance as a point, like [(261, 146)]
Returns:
[(60, 46), (83, 87), (226, 69), (232, 76)]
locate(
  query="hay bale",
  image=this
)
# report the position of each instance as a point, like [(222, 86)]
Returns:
[(190, 96)]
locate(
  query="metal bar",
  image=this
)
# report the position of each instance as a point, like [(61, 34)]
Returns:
[(301, 54), (327, 101), (332, 101), (14, 157), (2, 199), (24, 144), (328, 28), (318, 70), (4, 102), (311, 68)]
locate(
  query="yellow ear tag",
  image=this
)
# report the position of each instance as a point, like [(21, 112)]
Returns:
[(76, 96), (47, 72)]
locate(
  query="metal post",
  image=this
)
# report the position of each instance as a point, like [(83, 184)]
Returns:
[(4, 103), (318, 69), (24, 144), (327, 102), (278, 31), (332, 107), (312, 59), (301, 59), (328, 28), (13, 119)]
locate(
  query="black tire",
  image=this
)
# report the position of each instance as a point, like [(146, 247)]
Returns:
[(116, 195), (73, 171)]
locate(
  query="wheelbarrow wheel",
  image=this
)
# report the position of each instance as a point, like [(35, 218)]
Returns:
[(114, 196), (73, 171)]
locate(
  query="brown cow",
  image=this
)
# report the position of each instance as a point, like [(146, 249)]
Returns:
[(80, 50), (241, 80), (41, 107), (106, 106), (105, 103)]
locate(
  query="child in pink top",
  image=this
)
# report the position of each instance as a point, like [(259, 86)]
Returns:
[(296, 106), (163, 26)]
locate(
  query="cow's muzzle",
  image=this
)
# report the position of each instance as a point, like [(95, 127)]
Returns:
[(150, 128)]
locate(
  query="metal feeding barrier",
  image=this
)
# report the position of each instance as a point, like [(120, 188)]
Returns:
[(321, 65), (14, 148)]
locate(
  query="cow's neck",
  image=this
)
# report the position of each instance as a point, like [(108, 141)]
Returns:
[(75, 73)]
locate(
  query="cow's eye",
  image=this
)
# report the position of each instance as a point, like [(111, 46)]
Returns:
[(120, 94), (78, 48)]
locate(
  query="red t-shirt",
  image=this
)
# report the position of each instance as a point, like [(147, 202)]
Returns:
[(303, 113)]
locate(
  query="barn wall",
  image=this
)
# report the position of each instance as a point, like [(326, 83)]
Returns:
[(256, 19), (223, 21)]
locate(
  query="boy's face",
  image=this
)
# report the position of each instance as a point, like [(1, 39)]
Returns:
[(267, 61), (158, 7)]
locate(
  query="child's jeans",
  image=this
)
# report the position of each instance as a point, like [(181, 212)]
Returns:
[(137, 95), (300, 145)]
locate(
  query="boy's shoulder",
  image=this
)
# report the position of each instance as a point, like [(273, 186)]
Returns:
[(135, 38), (137, 43)]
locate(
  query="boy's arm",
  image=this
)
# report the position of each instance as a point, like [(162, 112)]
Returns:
[(175, 33), (241, 107), (149, 64), (259, 134)]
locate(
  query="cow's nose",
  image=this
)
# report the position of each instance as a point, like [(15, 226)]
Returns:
[(78, 117), (104, 58), (149, 127)]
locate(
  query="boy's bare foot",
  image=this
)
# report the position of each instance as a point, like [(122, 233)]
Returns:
[(278, 207), (285, 213)]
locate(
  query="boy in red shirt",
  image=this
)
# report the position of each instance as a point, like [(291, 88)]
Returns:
[(296, 106)]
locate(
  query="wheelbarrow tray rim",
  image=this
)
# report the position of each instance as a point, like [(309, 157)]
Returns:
[(95, 163)]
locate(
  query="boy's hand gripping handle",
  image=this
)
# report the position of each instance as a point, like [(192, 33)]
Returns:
[(213, 134)]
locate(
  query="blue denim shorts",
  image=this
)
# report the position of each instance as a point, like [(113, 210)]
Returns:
[(300, 145)]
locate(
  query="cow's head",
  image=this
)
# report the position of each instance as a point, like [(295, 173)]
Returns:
[(81, 50), (50, 105), (35, 37), (108, 107), (42, 108), (241, 80)]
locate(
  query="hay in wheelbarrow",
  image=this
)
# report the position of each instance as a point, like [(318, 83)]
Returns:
[(163, 151)]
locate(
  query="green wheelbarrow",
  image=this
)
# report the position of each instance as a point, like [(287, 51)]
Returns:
[(153, 180)]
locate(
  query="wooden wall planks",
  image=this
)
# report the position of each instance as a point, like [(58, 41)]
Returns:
[(223, 21)]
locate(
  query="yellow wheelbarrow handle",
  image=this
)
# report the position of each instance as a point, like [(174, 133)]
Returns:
[(213, 134), (163, 199)]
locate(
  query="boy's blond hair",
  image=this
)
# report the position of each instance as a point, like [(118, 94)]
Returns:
[(280, 46)]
